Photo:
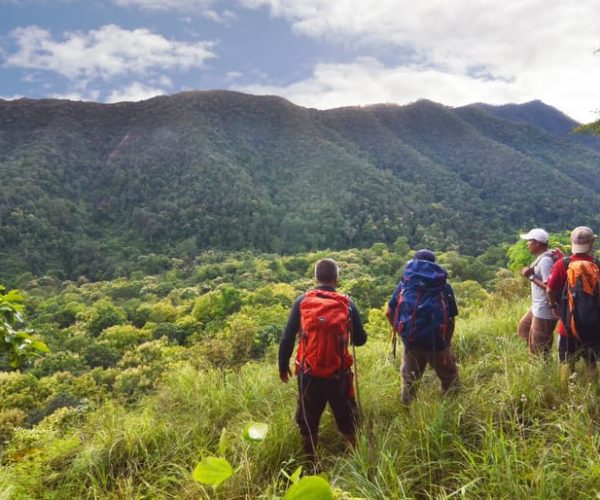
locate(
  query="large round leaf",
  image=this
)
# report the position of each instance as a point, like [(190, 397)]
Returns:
[(213, 471), (313, 487)]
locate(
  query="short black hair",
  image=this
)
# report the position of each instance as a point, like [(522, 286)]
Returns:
[(424, 254), (326, 271)]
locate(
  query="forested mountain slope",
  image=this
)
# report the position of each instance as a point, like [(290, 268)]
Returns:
[(539, 115), (87, 188)]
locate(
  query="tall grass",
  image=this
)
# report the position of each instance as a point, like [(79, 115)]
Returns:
[(511, 430)]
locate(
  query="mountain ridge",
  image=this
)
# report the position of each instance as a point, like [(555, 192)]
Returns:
[(86, 188)]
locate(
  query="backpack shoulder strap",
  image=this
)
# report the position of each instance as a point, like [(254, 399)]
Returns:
[(566, 262), (547, 253)]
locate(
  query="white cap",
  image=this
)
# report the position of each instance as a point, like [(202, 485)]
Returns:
[(536, 234)]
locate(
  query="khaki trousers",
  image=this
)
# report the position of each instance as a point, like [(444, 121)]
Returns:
[(537, 332)]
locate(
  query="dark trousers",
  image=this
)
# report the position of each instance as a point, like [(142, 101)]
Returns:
[(570, 350), (414, 363), (314, 394)]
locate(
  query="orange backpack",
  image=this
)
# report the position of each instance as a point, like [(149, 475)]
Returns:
[(580, 301), (324, 336)]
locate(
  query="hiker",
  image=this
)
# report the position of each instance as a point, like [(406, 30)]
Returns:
[(573, 290), (422, 310), (536, 327), (325, 321)]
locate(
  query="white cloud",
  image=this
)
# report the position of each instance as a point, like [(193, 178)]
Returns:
[(539, 49), (165, 81), (134, 92), (105, 53), (12, 97), (367, 81), (200, 7), (233, 75), (91, 95)]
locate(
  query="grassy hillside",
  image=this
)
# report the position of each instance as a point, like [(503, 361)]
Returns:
[(511, 431), (148, 375), (99, 190)]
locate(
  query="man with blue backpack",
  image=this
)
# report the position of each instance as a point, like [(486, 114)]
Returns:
[(422, 311)]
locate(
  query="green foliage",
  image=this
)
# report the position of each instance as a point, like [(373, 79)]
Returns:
[(215, 305), (314, 487), (471, 297), (103, 315), (213, 471), (589, 128), (16, 347)]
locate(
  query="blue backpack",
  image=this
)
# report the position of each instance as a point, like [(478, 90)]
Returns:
[(421, 309)]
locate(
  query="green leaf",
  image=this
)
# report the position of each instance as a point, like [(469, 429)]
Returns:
[(213, 471), (255, 431), (295, 477), (223, 442), (313, 487), (40, 346)]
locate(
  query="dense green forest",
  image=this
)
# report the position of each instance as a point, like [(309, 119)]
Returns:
[(149, 374), (98, 191)]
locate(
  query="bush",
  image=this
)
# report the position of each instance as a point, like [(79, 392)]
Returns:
[(20, 390), (103, 315), (120, 338), (216, 305), (58, 362), (10, 418)]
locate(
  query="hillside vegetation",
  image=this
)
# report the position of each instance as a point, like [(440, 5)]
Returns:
[(100, 190), (147, 375)]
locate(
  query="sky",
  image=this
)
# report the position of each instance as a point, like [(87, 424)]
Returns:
[(316, 53)]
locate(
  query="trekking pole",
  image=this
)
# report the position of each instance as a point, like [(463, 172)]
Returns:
[(360, 412)]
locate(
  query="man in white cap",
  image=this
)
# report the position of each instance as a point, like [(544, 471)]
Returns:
[(579, 307), (537, 325)]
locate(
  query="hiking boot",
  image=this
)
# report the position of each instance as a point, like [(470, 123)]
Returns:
[(350, 439), (309, 444), (407, 395)]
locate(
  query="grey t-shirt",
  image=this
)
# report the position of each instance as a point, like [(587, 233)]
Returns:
[(539, 302)]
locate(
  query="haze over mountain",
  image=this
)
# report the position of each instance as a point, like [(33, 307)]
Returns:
[(87, 188)]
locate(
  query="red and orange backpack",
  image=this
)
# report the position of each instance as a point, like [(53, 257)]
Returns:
[(325, 321)]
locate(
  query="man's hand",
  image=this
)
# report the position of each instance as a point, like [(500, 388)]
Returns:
[(526, 272), (285, 376)]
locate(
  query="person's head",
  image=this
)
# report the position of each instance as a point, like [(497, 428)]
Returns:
[(327, 272), (582, 240), (537, 240), (424, 254)]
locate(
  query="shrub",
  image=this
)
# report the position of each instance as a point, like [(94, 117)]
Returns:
[(10, 418), (103, 315)]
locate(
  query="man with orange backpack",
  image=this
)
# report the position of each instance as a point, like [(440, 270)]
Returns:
[(326, 321), (422, 311), (573, 292)]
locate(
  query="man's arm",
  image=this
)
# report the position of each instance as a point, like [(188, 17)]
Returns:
[(451, 300), (392, 304), (359, 336), (554, 285), (452, 310), (288, 340), (544, 268)]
